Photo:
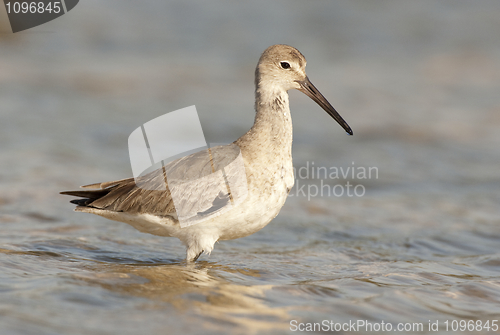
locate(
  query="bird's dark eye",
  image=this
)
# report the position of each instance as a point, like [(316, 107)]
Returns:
[(285, 65)]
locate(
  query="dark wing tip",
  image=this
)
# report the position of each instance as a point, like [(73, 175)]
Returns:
[(80, 202)]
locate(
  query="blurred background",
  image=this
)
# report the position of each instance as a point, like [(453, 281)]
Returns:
[(419, 84)]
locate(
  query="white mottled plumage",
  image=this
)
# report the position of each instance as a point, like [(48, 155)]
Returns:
[(267, 154)]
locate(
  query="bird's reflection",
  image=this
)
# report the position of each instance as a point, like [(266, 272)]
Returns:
[(209, 288)]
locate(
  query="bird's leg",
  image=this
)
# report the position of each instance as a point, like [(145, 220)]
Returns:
[(197, 256)]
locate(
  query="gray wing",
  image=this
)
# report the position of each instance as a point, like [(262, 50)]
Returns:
[(192, 182)]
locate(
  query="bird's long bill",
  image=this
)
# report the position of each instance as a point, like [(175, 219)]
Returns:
[(312, 92)]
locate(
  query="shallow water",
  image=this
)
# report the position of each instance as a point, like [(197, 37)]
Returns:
[(417, 82)]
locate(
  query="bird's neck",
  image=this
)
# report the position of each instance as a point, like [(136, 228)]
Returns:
[(272, 129)]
